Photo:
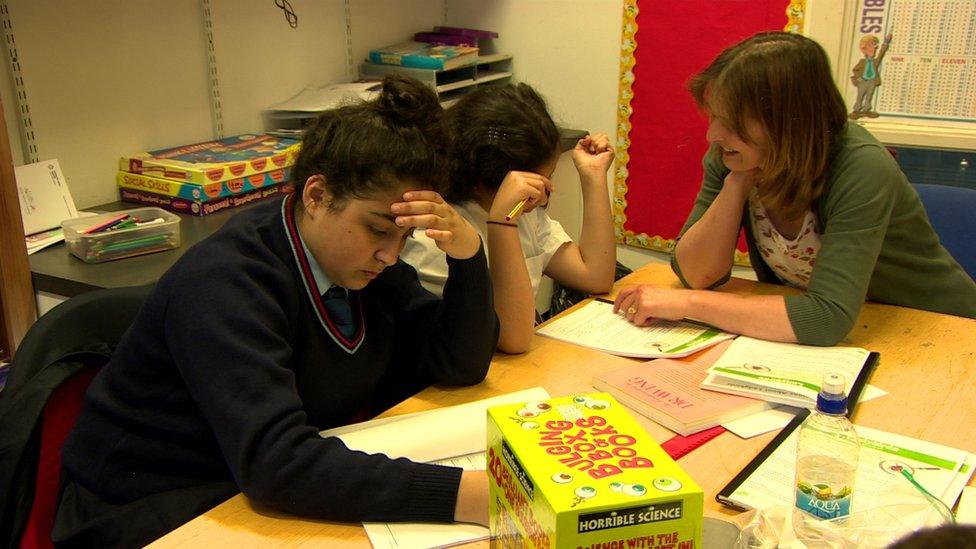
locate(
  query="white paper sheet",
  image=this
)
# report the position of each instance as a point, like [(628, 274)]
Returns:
[(966, 512), (777, 418), (45, 200), (455, 435), (595, 325), (781, 372), (429, 436), (942, 470), (420, 535), (312, 100)]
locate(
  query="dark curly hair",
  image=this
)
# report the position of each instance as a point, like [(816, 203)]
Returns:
[(494, 130), (372, 146)]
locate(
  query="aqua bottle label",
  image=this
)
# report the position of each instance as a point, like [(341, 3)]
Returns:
[(820, 500)]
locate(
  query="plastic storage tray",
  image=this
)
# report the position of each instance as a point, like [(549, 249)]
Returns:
[(151, 230)]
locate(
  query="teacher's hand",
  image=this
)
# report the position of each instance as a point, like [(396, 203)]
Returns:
[(641, 304)]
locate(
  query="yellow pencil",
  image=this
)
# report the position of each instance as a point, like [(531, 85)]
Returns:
[(516, 210)]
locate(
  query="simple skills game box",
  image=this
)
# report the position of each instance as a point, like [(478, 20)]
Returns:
[(578, 472)]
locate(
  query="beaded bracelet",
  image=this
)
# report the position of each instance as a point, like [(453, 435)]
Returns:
[(493, 222)]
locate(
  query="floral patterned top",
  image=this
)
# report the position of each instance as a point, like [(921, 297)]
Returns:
[(791, 260)]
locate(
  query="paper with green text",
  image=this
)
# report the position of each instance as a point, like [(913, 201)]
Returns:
[(785, 373), (942, 470), (595, 325)]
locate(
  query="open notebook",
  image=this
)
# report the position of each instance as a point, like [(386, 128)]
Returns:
[(455, 435), (942, 470)]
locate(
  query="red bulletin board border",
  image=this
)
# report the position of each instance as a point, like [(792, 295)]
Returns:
[(666, 175)]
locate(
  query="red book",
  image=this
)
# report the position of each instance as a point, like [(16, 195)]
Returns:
[(668, 391)]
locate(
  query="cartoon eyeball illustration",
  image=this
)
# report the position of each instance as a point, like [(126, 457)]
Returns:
[(585, 492), (616, 487), (562, 478), (597, 404), (541, 407), (893, 467), (667, 484), (635, 490), (529, 425), (753, 367), (525, 412), (580, 400)]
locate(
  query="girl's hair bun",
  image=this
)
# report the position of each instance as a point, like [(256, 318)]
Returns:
[(407, 102)]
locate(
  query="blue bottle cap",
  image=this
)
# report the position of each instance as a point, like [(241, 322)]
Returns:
[(832, 398)]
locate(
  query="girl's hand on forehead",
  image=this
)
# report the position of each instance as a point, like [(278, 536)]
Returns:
[(593, 154), (427, 210), (518, 186)]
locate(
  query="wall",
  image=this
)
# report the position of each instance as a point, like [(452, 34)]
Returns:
[(117, 76), (578, 75), (831, 23), (114, 76)]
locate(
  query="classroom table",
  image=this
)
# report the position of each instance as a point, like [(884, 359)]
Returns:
[(926, 366)]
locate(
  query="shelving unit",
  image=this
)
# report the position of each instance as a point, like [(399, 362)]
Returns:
[(450, 84)]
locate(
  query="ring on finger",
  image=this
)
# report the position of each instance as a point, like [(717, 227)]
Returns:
[(631, 310)]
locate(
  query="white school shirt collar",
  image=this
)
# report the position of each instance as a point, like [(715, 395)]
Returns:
[(321, 281), (318, 274)]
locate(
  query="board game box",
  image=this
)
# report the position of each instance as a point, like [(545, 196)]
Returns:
[(579, 472), (198, 207), (207, 192), (215, 161)]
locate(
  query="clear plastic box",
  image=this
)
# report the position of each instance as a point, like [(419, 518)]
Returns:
[(144, 231)]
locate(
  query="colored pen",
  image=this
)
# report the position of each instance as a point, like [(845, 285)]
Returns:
[(124, 224), (105, 224), (135, 242), (516, 210)]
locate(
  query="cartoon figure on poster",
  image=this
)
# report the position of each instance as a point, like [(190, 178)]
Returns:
[(866, 75)]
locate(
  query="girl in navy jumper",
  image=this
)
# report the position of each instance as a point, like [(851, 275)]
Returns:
[(236, 361)]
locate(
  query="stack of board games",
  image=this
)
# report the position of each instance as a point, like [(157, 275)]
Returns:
[(579, 471), (204, 178)]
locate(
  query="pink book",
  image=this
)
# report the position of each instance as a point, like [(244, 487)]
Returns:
[(669, 392)]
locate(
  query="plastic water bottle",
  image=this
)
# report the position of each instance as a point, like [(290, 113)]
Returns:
[(826, 455)]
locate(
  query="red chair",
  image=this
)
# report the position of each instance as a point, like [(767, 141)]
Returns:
[(58, 357)]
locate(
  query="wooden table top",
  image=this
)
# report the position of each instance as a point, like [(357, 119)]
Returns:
[(926, 367)]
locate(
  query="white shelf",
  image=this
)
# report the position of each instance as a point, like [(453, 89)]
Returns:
[(457, 85), (451, 83), (937, 134), (488, 76), (493, 58)]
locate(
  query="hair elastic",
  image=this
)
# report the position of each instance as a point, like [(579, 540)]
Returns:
[(493, 222)]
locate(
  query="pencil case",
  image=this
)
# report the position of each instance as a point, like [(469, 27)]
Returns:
[(125, 233)]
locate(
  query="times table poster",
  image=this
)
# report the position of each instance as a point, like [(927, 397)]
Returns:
[(918, 57)]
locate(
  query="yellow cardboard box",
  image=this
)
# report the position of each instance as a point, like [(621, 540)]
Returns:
[(578, 472)]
